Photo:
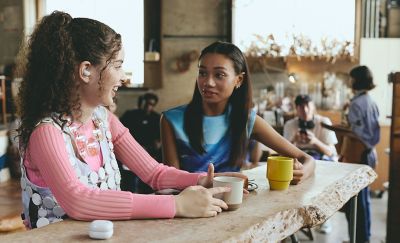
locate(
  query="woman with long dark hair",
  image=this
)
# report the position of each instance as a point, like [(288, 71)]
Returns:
[(215, 127)]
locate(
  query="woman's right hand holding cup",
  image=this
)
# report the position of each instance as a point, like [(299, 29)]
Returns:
[(198, 202)]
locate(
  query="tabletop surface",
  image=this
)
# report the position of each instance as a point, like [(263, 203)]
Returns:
[(265, 215)]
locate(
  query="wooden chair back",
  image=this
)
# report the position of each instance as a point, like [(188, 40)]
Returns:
[(349, 146)]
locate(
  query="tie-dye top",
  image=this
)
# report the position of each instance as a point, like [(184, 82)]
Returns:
[(217, 142)]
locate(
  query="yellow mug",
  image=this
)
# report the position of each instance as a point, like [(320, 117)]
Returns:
[(279, 172)]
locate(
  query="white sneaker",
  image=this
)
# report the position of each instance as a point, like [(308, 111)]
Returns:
[(325, 227)]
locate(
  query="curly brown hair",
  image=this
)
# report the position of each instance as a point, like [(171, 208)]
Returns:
[(57, 45)]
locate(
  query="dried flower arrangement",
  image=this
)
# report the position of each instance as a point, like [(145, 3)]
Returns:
[(302, 46)]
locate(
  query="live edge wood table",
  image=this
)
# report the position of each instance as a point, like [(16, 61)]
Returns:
[(264, 216)]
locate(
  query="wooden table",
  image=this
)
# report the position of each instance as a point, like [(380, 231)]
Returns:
[(264, 216)]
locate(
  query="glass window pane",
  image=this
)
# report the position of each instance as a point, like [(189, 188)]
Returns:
[(124, 16), (315, 19)]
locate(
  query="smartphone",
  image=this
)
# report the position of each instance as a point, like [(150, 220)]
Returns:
[(303, 131)]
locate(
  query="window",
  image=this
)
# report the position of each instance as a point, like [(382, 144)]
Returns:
[(124, 16), (313, 19)]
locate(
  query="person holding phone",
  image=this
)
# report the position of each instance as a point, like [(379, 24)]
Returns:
[(306, 132)]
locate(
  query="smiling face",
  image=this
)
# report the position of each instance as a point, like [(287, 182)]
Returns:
[(217, 78), (103, 82), (113, 77)]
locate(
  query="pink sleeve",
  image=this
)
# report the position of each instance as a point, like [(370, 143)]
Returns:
[(47, 151), (157, 175)]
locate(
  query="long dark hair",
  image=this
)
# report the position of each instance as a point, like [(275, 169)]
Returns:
[(58, 44), (240, 102)]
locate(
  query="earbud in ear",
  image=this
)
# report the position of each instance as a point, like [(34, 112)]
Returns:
[(85, 72)]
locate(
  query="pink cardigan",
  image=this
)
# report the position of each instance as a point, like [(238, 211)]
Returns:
[(47, 165)]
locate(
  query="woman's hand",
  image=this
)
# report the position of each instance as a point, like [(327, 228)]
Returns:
[(303, 170), (298, 172), (198, 202), (207, 181)]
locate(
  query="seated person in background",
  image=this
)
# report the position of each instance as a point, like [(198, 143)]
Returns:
[(144, 125), (305, 131), (217, 124)]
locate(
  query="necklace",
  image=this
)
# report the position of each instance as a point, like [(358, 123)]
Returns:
[(87, 146)]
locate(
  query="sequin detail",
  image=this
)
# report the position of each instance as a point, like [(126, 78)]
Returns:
[(107, 177)]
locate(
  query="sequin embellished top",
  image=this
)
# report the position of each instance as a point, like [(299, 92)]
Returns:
[(56, 183)]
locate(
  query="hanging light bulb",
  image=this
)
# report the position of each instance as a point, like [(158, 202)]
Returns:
[(292, 78)]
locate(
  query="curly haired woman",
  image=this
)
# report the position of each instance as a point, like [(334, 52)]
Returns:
[(69, 142)]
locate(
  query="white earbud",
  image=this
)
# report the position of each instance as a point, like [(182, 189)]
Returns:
[(85, 73)]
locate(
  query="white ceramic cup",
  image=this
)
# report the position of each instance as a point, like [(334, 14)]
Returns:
[(234, 197)]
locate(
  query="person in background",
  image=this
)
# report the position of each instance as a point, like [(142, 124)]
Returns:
[(69, 142), (363, 114), (215, 127), (363, 118), (144, 125), (306, 132)]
